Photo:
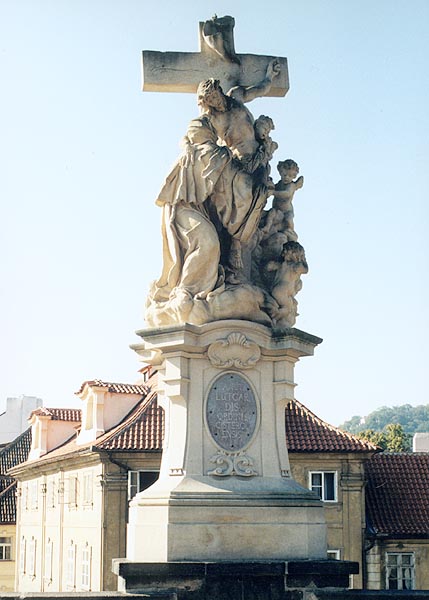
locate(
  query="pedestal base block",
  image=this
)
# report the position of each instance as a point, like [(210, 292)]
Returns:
[(270, 580), (202, 519)]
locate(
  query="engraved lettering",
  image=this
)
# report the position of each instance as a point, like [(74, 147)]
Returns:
[(231, 412)]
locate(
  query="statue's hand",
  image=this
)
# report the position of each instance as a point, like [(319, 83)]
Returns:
[(299, 182), (273, 68)]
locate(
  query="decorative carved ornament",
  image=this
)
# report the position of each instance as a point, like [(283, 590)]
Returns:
[(234, 351), (232, 464)]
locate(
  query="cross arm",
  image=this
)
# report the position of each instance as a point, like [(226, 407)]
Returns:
[(183, 71)]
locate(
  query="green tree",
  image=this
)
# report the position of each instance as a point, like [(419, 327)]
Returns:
[(375, 437), (392, 439), (412, 419), (396, 438)]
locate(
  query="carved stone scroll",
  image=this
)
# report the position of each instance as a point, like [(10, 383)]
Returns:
[(239, 464), (234, 351)]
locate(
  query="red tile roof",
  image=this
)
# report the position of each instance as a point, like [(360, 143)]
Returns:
[(15, 452), (117, 388), (307, 433), (397, 494), (142, 431), (11, 455), (59, 414), (8, 504)]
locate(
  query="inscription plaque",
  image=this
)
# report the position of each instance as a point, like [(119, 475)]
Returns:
[(231, 412)]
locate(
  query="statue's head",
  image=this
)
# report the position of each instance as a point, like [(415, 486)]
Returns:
[(288, 169), (294, 254), (210, 95), (263, 125)]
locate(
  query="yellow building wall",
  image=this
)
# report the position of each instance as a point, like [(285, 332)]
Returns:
[(346, 517), (376, 562), (64, 518), (60, 518), (7, 567)]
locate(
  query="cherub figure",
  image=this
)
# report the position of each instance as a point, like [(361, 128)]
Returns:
[(263, 127), (264, 153), (286, 282), (280, 217)]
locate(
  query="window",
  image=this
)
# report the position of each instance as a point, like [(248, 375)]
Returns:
[(48, 560), (334, 554), (87, 488), (71, 566), (400, 571), (324, 483), (5, 548), (34, 495), (139, 481), (86, 568), (31, 569), (72, 491), (25, 496), (51, 493), (22, 552)]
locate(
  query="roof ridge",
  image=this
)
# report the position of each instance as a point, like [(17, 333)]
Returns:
[(112, 384), (56, 413)]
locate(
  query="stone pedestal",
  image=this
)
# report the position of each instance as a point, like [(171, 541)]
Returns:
[(225, 492), (270, 580)]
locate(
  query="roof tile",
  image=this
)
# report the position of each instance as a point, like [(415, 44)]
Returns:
[(117, 388), (305, 432), (397, 494), (59, 414), (11, 455), (143, 431)]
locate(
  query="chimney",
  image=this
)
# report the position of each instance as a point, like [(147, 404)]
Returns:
[(421, 442)]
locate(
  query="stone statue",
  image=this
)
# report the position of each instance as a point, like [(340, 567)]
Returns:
[(280, 217), (284, 276), (214, 263), (218, 35)]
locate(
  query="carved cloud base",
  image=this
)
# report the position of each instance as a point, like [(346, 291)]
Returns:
[(225, 491)]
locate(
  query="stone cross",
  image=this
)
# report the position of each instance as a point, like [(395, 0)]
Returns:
[(183, 71)]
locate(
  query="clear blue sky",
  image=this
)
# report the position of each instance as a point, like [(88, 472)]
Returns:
[(83, 153)]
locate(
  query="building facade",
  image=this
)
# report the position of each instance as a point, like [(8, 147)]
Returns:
[(332, 463), (85, 465), (11, 455), (73, 496), (397, 536)]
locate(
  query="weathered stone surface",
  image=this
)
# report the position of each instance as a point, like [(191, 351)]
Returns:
[(215, 263), (212, 502), (231, 412), (183, 71), (247, 580)]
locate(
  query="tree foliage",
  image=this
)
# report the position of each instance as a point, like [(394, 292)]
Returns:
[(412, 419), (392, 439)]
